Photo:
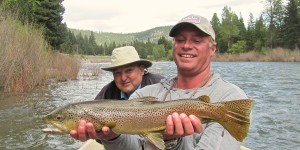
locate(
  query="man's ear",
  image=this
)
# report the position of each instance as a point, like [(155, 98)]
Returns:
[(142, 67), (213, 49)]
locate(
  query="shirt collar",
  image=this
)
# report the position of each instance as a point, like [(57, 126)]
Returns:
[(124, 96)]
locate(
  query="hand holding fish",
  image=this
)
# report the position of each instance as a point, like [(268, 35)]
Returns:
[(179, 125), (87, 131)]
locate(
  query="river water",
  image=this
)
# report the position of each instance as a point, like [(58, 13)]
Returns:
[(274, 86)]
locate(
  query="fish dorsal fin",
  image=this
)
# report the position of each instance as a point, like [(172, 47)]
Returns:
[(156, 138), (147, 99), (204, 98)]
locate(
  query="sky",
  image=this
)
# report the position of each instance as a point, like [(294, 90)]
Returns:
[(129, 16)]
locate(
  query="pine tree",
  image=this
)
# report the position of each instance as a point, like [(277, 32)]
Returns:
[(250, 39), (215, 22), (92, 44), (274, 16), (229, 27), (260, 34), (49, 15), (292, 26), (167, 44)]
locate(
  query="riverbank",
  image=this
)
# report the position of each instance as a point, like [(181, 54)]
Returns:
[(93, 59), (274, 55)]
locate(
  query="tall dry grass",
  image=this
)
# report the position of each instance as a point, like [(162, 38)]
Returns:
[(25, 58), (274, 55), (280, 54), (64, 67)]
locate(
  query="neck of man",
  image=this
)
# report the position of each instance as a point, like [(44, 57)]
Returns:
[(192, 81)]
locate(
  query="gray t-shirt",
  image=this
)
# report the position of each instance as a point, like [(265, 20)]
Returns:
[(213, 137)]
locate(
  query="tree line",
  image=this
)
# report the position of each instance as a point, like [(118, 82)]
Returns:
[(277, 26)]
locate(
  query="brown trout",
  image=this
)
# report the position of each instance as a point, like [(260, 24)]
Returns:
[(147, 116)]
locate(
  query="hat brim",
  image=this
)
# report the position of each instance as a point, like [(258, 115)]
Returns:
[(174, 30), (144, 62)]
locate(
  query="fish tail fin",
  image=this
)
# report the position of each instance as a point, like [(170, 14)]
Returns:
[(236, 119)]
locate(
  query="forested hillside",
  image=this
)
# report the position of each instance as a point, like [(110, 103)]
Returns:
[(119, 38)]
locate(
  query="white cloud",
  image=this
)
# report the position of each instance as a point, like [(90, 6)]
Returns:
[(137, 15)]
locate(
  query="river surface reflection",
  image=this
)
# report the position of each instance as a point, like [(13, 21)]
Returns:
[(274, 86)]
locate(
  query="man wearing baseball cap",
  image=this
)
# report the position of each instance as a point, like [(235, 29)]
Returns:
[(193, 47)]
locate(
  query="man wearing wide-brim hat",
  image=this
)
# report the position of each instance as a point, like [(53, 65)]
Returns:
[(129, 72)]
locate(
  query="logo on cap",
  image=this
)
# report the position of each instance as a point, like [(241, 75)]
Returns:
[(191, 19)]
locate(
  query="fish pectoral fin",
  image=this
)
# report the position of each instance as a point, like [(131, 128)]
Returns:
[(111, 124), (204, 98), (156, 138)]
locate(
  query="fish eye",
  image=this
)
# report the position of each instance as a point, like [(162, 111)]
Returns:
[(58, 117)]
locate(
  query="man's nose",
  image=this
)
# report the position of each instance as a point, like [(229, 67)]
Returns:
[(124, 76), (187, 45)]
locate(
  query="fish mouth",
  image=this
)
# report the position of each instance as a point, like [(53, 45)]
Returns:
[(55, 127), (52, 130)]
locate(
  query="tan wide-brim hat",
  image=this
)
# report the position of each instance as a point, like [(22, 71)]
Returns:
[(124, 56)]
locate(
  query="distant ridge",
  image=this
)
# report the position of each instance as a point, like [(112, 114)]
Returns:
[(126, 38)]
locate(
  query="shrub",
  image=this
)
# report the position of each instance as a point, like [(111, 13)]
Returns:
[(26, 59)]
